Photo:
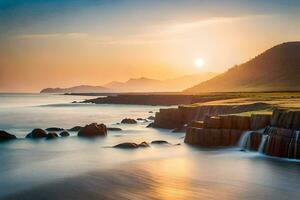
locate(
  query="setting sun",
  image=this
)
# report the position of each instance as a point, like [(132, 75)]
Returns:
[(199, 62)]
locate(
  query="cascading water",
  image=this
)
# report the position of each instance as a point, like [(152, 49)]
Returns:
[(296, 143), (243, 142), (262, 143)]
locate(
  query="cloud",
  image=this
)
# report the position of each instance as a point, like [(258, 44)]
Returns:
[(158, 33)]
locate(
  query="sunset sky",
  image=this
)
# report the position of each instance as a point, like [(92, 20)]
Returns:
[(65, 43)]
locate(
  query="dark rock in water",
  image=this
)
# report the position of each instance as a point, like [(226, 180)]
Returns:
[(6, 136), (151, 118), (140, 119), (64, 134), (75, 128), (127, 145), (144, 144), (54, 129), (114, 129), (150, 125), (243, 150), (37, 133), (128, 121), (51, 136), (159, 142), (93, 130)]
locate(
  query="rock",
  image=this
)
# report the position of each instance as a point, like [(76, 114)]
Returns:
[(6, 136), (93, 130), (140, 119), (212, 137), (151, 118), (127, 145), (150, 125), (75, 128), (128, 121), (114, 129), (54, 129), (259, 121), (37, 133), (150, 111), (144, 144), (64, 134), (159, 142), (51, 136)]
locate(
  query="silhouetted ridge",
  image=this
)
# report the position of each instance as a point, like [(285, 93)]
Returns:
[(276, 69)]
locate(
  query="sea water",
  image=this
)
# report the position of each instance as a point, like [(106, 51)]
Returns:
[(77, 168)]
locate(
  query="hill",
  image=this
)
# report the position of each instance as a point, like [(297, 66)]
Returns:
[(76, 89), (277, 69), (138, 85)]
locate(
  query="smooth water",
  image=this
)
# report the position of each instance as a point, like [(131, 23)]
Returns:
[(77, 168)]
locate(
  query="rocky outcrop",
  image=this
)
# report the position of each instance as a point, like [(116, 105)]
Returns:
[(225, 130), (259, 121), (4, 136), (177, 117), (282, 142), (37, 133), (212, 137), (289, 119), (155, 99), (93, 130), (128, 121)]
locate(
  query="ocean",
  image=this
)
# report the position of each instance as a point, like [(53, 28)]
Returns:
[(78, 168)]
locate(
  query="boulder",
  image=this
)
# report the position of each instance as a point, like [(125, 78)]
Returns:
[(64, 134), (75, 128), (159, 142), (114, 129), (51, 136), (127, 145), (93, 130), (144, 144), (140, 119), (37, 133), (6, 136), (128, 121), (54, 129)]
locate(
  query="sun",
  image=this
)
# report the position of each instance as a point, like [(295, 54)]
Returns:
[(199, 62)]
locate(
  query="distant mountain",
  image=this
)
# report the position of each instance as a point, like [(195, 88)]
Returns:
[(76, 89), (277, 69), (152, 85), (138, 85)]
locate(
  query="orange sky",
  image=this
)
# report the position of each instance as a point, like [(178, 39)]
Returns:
[(85, 47)]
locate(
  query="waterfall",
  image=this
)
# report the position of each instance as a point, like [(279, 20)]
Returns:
[(244, 139), (296, 143), (262, 143)]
